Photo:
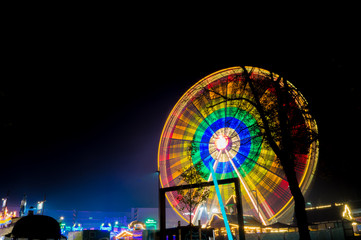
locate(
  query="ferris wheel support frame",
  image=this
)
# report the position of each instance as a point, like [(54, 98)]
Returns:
[(237, 187)]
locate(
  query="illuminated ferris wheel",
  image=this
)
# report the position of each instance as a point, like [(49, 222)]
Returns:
[(216, 116)]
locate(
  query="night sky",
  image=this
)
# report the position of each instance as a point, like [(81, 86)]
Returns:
[(83, 105)]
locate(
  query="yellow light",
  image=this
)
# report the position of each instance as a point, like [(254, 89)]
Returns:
[(124, 234), (304, 183), (347, 213), (319, 207), (324, 206), (221, 142), (246, 188)]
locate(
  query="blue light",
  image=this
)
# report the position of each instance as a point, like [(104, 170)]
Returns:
[(229, 233), (243, 132)]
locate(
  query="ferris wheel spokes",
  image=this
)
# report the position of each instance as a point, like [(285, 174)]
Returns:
[(217, 120), (215, 165), (264, 202), (245, 186), (203, 117)]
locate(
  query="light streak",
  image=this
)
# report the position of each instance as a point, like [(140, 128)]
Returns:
[(247, 190), (229, 233)]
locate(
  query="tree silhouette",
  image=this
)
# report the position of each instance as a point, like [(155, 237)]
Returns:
[(275, 100), (190, 199)]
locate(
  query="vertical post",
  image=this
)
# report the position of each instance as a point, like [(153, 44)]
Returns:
[(161, 214), (237, 187), (158, 187), (199, 230), (179, 231)]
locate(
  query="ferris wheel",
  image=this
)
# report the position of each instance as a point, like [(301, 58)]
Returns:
[(216, 116)]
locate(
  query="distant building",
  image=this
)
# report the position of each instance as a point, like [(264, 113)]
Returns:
[(336, 218), (356, 211), (89, 235), (89, 220), (333, 221), (142, 214)]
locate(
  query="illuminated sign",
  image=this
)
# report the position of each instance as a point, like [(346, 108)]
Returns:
[(150, 223), (77, 227), (107, 227)]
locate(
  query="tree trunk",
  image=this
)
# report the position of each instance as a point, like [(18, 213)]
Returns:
[(287, 160), (300, 211), (284, 151)]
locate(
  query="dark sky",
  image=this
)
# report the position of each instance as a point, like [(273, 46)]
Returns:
[(83, 104)]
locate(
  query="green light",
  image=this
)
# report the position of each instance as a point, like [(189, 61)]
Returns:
[(252, 126), (150, 222)]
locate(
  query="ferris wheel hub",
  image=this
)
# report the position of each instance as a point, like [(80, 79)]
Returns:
[(221, 142)]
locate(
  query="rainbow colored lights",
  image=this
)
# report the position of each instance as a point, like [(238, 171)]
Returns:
[(218, 120)]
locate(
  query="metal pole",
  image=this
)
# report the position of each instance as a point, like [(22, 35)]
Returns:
[(162, 214), (179, 231), (158, 183), (199, 230), (237, 187)]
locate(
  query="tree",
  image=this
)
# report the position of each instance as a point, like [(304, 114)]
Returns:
[(189, 199), (283, 138), (280, 133)]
